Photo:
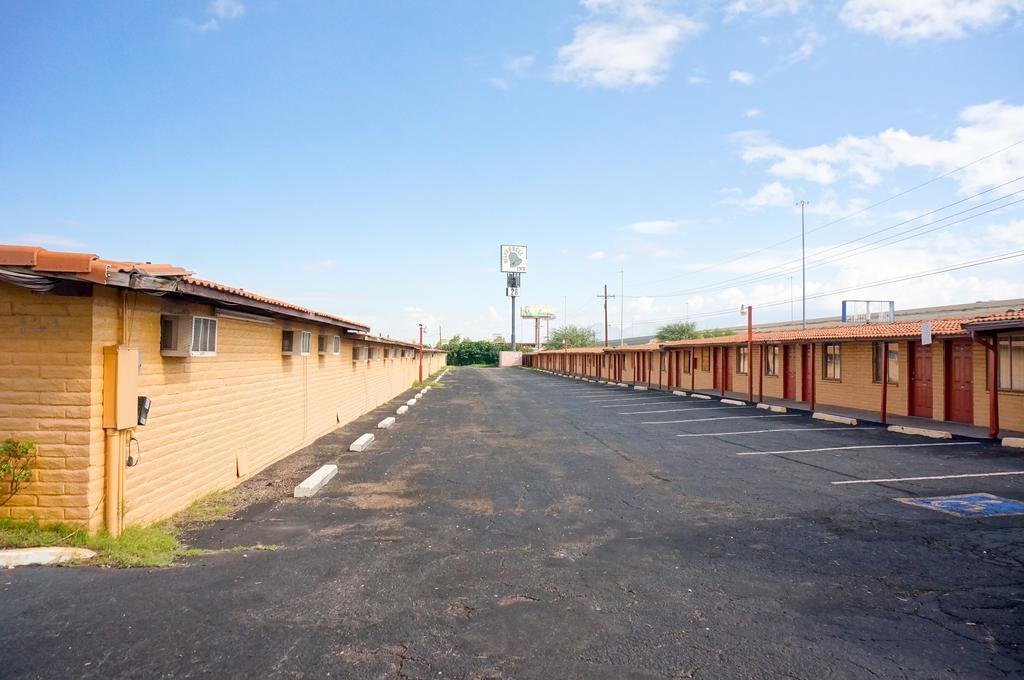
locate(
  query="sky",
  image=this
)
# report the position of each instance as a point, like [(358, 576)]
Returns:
[(369, 158)]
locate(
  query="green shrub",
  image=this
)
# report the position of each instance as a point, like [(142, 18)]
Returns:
[(15, 466)]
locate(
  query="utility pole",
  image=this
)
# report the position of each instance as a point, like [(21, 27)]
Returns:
[(605, 296), (803, 262), (622, 312)]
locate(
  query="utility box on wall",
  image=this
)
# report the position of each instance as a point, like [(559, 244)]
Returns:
[(120, 387)]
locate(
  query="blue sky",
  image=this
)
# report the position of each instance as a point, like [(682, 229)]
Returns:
[(368, 158)]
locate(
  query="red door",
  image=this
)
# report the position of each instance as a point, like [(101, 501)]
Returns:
[(960, 388), (921, 380), (808, 374), (789, 372)]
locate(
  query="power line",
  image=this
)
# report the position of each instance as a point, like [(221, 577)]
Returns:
[(844, 217), (817, 260), (871, 284)]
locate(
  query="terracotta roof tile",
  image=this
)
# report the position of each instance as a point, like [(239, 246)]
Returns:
[(91, 268)]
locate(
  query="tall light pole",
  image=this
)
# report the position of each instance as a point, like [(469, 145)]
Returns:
[(803, 263), (622, 307)]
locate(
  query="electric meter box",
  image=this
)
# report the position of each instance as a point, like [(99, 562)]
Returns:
[(120, 387)]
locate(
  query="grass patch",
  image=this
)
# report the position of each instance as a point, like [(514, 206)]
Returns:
[(156, 545), (152, 546), (431, 381)]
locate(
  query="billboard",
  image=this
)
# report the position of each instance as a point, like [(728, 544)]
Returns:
[(538, 312), (513, 259)]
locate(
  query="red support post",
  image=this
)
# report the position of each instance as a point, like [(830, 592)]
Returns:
[(814, 376), (885, 380), (992, 348), (750, 353)]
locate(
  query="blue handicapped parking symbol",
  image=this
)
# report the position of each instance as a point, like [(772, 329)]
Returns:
[(969, 505)]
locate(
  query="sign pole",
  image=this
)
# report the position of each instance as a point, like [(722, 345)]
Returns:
[(513, 323)]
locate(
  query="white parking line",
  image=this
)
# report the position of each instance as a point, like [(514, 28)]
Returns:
[(919, 479), (653, 403), (780, 429), (674, 410), (852, 448), (701, 420), (621, 403), (604, 397)]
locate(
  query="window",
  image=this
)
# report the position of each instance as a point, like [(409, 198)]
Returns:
[(741, 359), (360, 353), (1011, 362), (705, 359), (307, 343), (687, 363), (663, 366), (831, 364), (375, 354), (894, 362), (328, 344), (771, 360), (204, 336), (287, 342)]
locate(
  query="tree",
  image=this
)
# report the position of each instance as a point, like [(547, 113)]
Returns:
[(571, 336), (715, 333), (684, 330), (466, 352), (687, 330)]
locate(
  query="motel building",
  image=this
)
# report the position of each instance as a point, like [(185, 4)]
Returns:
[(145, 388), (967, 372)]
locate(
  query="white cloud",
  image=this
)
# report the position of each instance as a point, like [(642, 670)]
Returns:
[(657, 227), (914, 20), (48, 241), (1011, 233), (765, 8), (498, 83), (697, 80), (320, 266), (741, 77), (772, 195), (219, 11), (597, 255), (623, 43), (520, 65), (752, 113), (986, 128), (809, 41), (227, 9)]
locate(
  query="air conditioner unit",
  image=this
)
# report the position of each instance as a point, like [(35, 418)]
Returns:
[(188, 336), (296, 343)]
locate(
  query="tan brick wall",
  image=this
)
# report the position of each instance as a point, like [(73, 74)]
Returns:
[(45, 388), (214, 421)]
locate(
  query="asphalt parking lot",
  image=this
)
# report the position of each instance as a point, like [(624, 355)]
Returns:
[(519, 524)]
